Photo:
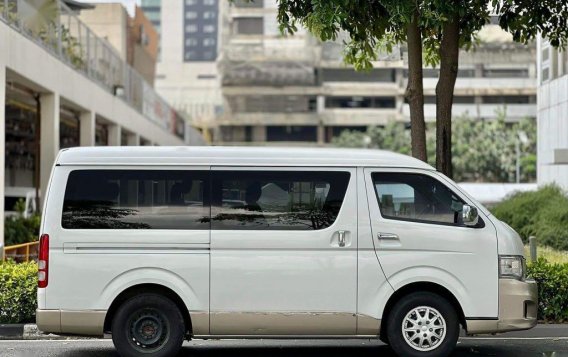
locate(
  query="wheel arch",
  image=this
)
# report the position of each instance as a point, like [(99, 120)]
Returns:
[(420, 287), (147, 288)]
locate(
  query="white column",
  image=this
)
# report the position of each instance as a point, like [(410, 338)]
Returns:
[(133, 140), (2, 158), (114, 135), (87, 130), (49, 138)]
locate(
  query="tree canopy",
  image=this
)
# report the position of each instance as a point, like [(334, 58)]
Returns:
[(484, 150), (433, 31)]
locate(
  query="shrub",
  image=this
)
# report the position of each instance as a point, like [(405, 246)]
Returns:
[(552, 282), (543, 213), (18, 292), (18, 229)]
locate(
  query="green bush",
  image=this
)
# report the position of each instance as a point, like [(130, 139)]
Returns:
[(18, 229), (552, 282), (542, 213), (18, 292)]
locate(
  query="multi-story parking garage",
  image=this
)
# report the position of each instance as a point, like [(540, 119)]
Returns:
[(62, 86)]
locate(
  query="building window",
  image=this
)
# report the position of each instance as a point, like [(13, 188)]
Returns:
[(209, 15), (249, 26), (208, 28), (291, 133), (191, 28), (190, 2), (191, 15), (136, 199), (191, 55), (360, 102), (209, 42), (191, 42), (277, 200), (506, 72), (209, 2)]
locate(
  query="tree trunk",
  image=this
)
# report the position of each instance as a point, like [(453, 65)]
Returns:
[(415, 90), (449, 60)]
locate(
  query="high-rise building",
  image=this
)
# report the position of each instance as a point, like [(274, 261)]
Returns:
[(187, 69), (552, 152), (294, 90)]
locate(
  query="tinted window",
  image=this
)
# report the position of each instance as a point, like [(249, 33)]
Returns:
[(417, 198), (277, 200), (136, 199)]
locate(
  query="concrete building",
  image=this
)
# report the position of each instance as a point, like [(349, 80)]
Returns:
[(296, 91), (187, 70), (134, 38), (552, 151), (61, 86)]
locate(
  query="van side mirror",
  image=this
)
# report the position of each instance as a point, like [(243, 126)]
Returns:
[(470, 216)]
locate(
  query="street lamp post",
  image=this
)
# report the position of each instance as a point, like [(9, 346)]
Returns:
[(521, 139)]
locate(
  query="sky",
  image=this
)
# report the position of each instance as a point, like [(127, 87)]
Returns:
[(128, 4)]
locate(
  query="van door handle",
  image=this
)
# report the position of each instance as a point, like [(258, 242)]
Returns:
[(387, 236), (341, 238)]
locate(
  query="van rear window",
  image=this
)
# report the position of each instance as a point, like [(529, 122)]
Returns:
[(136, 199), (276, 200)]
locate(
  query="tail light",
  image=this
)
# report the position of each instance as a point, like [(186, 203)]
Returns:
[(43, 261)]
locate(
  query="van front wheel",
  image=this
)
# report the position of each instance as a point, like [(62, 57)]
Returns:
[(148, 324), (423, 324)]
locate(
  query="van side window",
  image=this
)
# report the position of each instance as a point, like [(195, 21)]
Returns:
[(277, 200), (416, 197), (136, 199)]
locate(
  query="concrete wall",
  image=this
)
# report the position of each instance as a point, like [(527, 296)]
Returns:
[(109, 21), (553, 132), (24, 62)]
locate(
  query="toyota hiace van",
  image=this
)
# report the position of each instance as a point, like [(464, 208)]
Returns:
[(157, 245)]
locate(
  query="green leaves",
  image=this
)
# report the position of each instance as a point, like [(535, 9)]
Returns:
[(18, 229), (18, 292), (482, 150), (552, 282), (543, 213)]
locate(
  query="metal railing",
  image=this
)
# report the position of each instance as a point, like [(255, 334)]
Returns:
[(22, 252), (56, 28)]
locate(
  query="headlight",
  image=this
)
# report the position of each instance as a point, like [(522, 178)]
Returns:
[(512, 266)]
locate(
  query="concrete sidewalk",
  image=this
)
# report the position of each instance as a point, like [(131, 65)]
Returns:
[(30, 332)]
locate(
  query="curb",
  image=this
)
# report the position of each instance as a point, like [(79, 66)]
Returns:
[(26, 332)]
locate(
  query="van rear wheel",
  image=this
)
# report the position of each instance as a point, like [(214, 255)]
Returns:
[(423, 324), (148, 324)]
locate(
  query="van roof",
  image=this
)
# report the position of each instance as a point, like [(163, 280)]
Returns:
[(234, 156)]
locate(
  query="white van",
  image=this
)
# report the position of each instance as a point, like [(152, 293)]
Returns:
[(156, 245)]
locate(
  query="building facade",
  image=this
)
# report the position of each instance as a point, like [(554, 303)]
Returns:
[(552, 151), (134, 38), (187, 66), (62, 86), (297, 91)]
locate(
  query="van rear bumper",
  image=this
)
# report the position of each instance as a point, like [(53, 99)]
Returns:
[(518, 304), (88, 323)]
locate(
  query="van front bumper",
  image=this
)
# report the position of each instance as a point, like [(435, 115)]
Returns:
[(518, 305), (88, 323)]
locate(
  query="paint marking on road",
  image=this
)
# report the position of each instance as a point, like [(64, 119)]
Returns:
[(513, 338), (74, 340)]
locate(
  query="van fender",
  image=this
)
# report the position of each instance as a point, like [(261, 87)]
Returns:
[(431, 274), (152, 275)]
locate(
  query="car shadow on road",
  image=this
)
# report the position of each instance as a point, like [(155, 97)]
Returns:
[(211, 350)]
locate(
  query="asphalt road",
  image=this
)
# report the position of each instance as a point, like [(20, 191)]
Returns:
[(513, 347)]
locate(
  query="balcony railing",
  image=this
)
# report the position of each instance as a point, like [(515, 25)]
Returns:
[(55, 27)]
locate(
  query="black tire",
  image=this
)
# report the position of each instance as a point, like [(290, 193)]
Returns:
[(429, 339), (148, 324)]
